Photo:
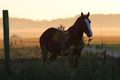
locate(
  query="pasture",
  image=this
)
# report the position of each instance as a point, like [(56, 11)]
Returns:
[(26, 64)]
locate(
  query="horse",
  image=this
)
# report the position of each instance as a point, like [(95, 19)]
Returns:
[(57, 42)]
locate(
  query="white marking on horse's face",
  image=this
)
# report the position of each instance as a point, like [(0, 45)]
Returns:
[(88, 27)]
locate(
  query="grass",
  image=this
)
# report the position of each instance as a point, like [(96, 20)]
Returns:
[(114, 47), (22, 52), (90, 67)]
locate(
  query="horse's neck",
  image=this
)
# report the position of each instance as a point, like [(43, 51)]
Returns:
[(75, 32)]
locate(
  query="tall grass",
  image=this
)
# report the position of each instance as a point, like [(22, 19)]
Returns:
[(90, 67)]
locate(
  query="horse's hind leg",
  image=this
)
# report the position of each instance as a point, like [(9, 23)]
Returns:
[(53, 57), (44, 54)]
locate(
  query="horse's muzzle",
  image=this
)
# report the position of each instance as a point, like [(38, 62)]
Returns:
[(90, 34)]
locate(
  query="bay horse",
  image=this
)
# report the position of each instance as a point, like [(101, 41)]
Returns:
[(50, 40)]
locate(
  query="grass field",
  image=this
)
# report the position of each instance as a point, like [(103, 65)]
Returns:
[(89, 68), (26, 65)]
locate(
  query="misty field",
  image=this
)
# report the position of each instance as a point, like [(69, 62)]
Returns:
[(26, 65)]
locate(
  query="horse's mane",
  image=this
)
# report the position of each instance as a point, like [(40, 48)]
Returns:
[(74, 28)]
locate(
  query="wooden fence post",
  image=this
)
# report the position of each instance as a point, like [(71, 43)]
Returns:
[(6, 41)]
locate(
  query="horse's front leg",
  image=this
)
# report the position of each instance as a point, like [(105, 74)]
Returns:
[(74, 54), (77, 55), (72, 57)]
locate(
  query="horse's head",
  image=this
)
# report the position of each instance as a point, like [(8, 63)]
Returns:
[(84, 23)]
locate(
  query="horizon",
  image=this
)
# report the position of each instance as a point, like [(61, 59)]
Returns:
[(102, 25), (37, 20)]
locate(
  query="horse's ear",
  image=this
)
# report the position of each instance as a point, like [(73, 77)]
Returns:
[(88, 14), (81, 13)]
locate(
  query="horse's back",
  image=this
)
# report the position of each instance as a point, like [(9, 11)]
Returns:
[(47, 35)]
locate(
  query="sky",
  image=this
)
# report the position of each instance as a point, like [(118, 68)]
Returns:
[(53, 9)]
